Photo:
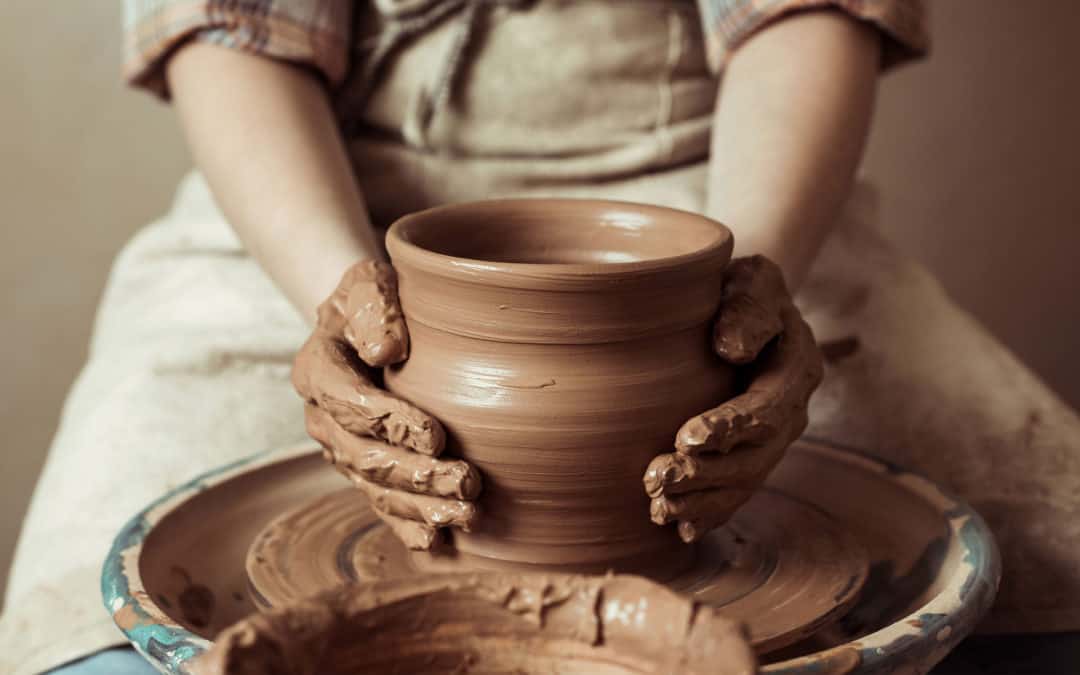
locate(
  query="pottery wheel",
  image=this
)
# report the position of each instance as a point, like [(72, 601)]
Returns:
[(781, 566)]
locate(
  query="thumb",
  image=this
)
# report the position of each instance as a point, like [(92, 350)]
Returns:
[(374, 324), (753, 298)]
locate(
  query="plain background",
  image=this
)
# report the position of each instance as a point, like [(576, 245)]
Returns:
[(976, 152)]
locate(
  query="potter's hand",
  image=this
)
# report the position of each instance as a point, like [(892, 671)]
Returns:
[(723, 454), (385, 445)]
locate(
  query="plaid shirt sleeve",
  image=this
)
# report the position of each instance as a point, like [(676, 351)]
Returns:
[(729, 23), (315, 33)]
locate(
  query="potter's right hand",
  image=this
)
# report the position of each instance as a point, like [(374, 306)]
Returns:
[(386, 446)]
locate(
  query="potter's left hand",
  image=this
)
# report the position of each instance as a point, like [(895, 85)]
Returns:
[(724, 454), (388, 447)]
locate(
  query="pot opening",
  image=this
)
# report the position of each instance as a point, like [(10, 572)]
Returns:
[(560, 232)]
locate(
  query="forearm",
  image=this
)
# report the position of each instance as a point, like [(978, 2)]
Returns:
[(789, 129), (265, 136)]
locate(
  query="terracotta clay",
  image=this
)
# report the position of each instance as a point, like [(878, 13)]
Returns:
[(176, 576), (372, 436), (487, 624), (780, 566), (562, 344), (385, 445), (723, 454)]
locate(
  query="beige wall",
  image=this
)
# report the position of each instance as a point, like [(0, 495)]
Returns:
[(82, 164), (976, 152), (979, 154)]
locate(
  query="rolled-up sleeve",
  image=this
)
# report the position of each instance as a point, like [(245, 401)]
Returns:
[(315, 33), (729, 23)]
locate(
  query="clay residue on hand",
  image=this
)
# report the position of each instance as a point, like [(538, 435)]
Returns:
[(328, 376), (774, 405), (723, 454), (754, 294), (384, 444), (364, 310), (487, 623), (378, 463)]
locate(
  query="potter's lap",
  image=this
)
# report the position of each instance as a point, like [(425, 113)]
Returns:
[(913, 378), (188, 370), (184, 289)]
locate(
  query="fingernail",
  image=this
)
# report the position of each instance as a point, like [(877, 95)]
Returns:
[(654, 479), (688, 531), (660, 511), (470, 484)]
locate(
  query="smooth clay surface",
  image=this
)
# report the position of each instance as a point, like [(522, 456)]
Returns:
[(487, 624), (562, 344)]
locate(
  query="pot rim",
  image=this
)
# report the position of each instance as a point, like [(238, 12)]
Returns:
[(403, 249)]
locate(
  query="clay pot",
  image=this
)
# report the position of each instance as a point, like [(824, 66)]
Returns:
[(486, 624), (562, 343)]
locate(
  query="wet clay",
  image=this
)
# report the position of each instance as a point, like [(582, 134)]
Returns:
[(933, 562), (780, 566), (385, 445), (562, 344), (476, 623), (724, 454), (390, 448)]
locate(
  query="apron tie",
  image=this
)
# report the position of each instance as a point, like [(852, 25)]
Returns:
[(406, 20)]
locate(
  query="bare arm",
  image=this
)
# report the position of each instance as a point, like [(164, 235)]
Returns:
[(789, 129), (790, 125), (264, 134)]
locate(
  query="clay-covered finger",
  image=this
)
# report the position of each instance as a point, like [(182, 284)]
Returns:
[(364, 310), (773, 404), (416, 536), (328, 375), (723, 427), (678, 473), (393, 467), (694, 529), (433, 511), (377, 462), (375, 326), (697, 505), (753, 296)]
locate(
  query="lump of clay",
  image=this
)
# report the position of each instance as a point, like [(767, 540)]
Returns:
[(539, 623)]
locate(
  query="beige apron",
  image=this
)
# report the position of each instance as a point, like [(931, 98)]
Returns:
[(188, 368)]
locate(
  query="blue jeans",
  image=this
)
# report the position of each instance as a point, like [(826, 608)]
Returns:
[(116, 661), (979, 655)]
